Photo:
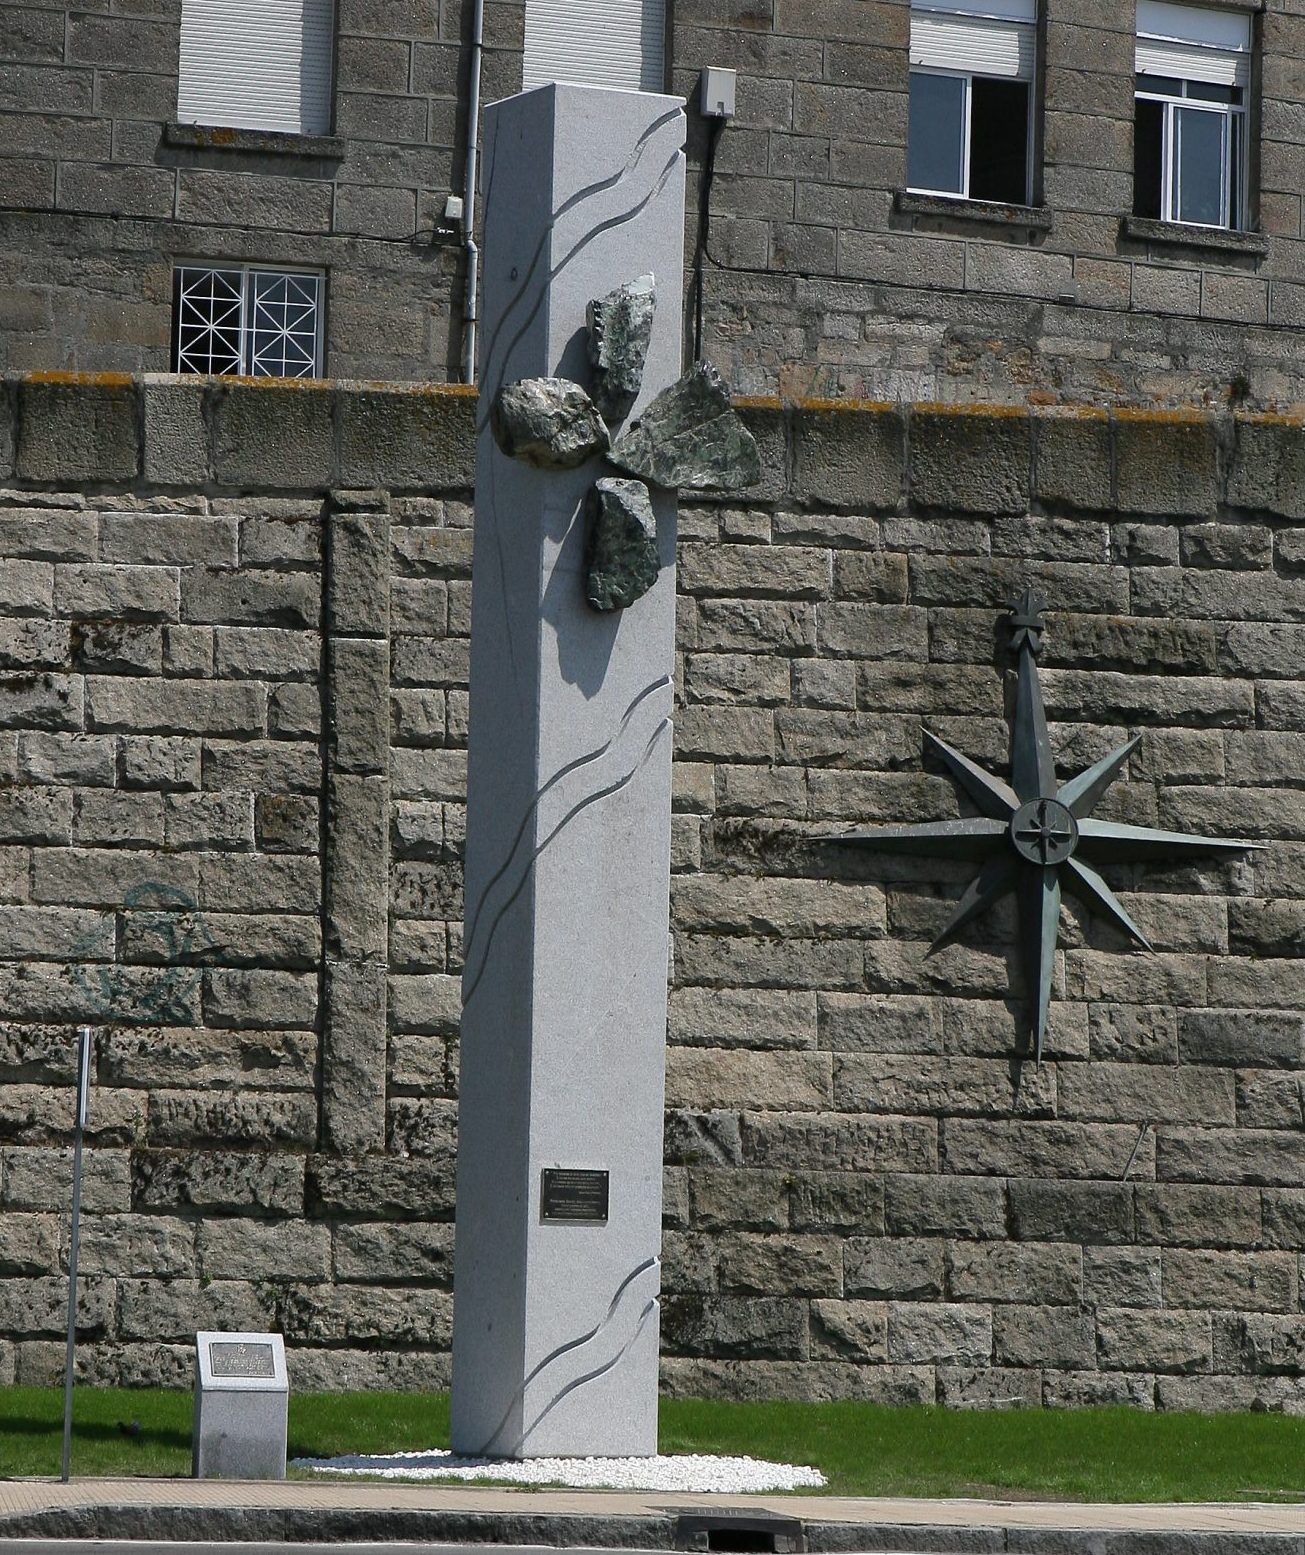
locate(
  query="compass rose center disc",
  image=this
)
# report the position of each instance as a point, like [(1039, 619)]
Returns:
[(1044, 832)]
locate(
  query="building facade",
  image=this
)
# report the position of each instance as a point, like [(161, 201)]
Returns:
[(1126, 226), (234, 622)]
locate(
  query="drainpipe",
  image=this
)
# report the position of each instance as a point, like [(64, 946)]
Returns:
[(471, 291)]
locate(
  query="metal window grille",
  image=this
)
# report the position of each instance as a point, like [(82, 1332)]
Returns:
[(260, 323)]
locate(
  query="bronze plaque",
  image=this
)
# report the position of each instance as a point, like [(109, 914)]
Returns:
[(573, 1193), (234, 1358)]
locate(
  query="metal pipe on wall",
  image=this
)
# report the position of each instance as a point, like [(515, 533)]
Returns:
[(471, 289)]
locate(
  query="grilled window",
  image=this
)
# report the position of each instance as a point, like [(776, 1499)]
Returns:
[(260, 323)]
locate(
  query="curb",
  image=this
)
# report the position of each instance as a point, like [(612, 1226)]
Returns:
[(689, 1530)]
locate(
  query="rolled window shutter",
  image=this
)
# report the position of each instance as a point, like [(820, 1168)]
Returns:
[(977, 45), (999, 10), (257, 64), (615, 43), (1193, 43)]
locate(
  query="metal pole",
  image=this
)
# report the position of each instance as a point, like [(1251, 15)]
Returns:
[(83, 1093)]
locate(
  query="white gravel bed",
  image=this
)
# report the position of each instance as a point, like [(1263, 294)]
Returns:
[(691, 1472)]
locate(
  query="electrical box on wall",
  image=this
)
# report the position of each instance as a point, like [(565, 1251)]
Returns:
[(718, 92)]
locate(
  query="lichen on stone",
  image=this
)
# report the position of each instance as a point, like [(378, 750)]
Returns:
[(621, 544), (551, 423), (690, 438), (620, 332)]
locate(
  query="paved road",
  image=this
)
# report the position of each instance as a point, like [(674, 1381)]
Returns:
[(166, 1547)]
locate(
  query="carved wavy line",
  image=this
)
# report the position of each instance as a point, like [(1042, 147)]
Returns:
[(557, 777), (571, 1344), (589, 1376), (621, 220), (590, 799), (588, 192), (500, 591)]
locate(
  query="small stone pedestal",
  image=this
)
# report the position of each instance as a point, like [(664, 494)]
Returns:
[(242, 1398)]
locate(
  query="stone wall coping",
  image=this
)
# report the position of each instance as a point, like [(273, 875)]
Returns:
[(206, 137), (114, 431)]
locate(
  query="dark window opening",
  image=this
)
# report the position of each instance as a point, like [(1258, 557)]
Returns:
[(969, 136), (999, 141), (1148, 159)]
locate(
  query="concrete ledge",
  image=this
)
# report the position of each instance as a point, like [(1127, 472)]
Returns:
[(1022, 219), (237, 434), (246, 435), (85, 427), (1210, 242), (208, 137)]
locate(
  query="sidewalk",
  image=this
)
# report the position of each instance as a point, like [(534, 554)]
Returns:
[(302, 1511)]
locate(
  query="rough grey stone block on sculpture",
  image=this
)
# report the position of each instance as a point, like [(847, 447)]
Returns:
[(620, 330), (568, 827), (549, 422), (691, 438)]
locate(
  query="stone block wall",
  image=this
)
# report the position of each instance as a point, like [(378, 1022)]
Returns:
[(822, 277), (873, 1192), (825, 277), (101, 192), (870, 1190)]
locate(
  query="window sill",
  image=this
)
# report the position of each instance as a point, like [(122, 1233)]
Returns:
[(212, 137), (1013, 218), (1210, 240)]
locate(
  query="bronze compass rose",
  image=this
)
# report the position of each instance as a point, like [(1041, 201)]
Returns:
[(1034, 836)]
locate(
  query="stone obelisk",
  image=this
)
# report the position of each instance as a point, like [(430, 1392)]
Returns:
[(555, 1333)]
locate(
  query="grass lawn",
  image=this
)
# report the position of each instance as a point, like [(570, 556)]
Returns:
[(863, 1449)]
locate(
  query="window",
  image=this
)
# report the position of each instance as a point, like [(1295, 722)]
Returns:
[(261, 323), (971, 110), (257, 64), (1189, 141), (620, 43)]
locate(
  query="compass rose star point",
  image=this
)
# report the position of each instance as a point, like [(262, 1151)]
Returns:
[(1034, 836)]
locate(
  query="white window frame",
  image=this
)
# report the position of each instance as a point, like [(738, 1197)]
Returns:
[(1195, 44), (967, 130), (245, 324), (1234, 153), (1017, 13)]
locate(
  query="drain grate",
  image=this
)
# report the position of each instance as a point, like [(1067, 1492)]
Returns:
[(744, 1532)]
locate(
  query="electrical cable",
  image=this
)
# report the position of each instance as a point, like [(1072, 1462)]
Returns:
[(704, 216)]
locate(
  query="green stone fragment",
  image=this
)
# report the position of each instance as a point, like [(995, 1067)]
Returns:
[(549, 422), (621, 552), (620, 332), (690, 439)]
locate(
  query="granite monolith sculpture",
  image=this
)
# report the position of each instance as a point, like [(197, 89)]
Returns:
[(555, 1333)]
